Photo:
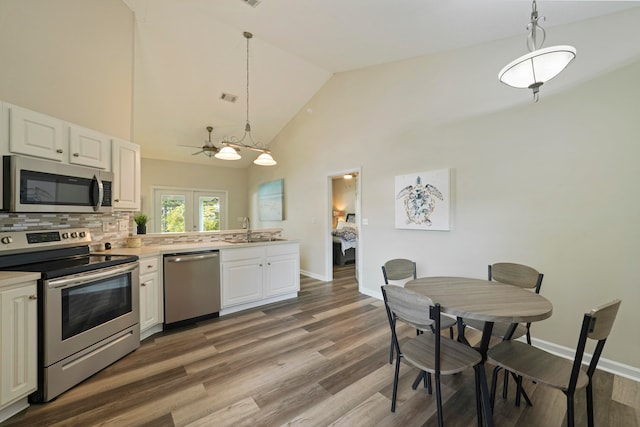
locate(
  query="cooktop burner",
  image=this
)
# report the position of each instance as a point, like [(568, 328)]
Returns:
[(68, 266), (54, 253)]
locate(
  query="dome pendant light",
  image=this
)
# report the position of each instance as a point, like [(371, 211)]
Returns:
[(540, 65), (264, 159), (227, 153)]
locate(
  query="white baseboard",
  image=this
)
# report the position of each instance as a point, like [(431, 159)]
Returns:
[(152, 330), (12, 409), (607, 365), (369, 292), (314, 276)]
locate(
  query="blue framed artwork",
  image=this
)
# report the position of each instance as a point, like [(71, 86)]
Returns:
[(270, 200)]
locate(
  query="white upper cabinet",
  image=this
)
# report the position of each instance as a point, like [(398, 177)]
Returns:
[(35, 134), (89, 148), (126, 172)]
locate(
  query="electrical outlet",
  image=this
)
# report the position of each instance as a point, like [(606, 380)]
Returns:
[(105, 227), (123, 225)]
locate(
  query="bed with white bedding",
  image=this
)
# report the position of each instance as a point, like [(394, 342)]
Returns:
[(345, 237)]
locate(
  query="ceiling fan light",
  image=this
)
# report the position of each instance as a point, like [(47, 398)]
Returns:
[(227, 153), (537, 67), (265, 159)]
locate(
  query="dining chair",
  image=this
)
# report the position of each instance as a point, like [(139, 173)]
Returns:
[(514, 274), (522, 276), (431, 353), (404, 269), (555, 371)]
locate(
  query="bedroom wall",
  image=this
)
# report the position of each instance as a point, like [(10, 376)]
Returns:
[(550, 184), (344, 196)]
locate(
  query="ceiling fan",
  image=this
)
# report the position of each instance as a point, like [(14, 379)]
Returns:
[(208, 148)]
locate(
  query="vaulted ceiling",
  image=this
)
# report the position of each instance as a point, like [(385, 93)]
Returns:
[(188, 52)]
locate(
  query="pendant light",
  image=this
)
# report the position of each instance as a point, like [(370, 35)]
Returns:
[(227, 153), (540, 65), (265, 159), (230, 146)]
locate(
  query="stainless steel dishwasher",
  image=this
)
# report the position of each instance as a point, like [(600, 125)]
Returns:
[(191, 287)]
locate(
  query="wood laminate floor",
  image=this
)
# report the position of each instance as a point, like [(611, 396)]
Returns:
[(318, 360)]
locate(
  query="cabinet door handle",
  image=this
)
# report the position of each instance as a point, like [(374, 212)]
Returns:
[(268, 263), (116, 200), (33, 297), (143, 284), (59, 150), (76, 155), (260, 265)]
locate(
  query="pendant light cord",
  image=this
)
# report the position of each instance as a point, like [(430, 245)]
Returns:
[(248, 36), (247, 127)]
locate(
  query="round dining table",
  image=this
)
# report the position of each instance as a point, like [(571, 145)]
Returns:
[(486, 301)]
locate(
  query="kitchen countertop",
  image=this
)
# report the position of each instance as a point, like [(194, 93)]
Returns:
[(10, 278), (155, 250)]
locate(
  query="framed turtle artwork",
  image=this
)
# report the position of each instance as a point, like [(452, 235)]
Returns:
[(423, 200)]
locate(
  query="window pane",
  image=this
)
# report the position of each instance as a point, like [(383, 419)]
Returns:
[(209, 213), (172, 213)]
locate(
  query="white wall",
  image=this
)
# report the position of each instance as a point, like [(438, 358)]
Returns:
[(552, 185), (71, 59)]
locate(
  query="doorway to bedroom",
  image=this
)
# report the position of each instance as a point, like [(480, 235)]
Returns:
[(344, 219)]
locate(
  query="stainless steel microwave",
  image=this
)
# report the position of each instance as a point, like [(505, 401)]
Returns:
[(35, 185)]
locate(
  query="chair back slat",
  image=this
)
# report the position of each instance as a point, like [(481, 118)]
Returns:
[(514, 274), (602, 319), (407, 305), (399, 269)]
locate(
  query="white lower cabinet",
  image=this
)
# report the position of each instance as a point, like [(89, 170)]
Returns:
[(151, 297), (18, 343), (242, 276), (282, 270), (259, 274)]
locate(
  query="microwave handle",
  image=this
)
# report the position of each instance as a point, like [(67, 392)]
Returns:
[(100, 186)]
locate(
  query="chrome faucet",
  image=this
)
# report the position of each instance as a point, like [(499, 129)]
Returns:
[(246, 223)]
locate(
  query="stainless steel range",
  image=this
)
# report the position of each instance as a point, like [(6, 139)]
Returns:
[(88, 305)]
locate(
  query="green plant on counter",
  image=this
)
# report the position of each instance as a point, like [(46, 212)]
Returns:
[(141, 219)]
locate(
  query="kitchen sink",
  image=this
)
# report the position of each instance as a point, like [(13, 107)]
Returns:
[(255, 240)]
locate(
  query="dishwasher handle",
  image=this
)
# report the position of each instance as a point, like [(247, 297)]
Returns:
[(192, 257)]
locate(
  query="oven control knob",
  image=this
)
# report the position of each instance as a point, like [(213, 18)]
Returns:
[(6, 240), (74, 234), (65, 235), (83, 234)]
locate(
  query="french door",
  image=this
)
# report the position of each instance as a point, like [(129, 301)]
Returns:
[(179, 210)]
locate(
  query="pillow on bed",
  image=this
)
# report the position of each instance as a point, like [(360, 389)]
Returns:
[(343, 224)]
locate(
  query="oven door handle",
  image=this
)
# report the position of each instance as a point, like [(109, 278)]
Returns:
[(82, 278)]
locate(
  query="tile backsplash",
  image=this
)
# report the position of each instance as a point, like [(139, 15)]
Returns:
[(104, 227), (114, 228)]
